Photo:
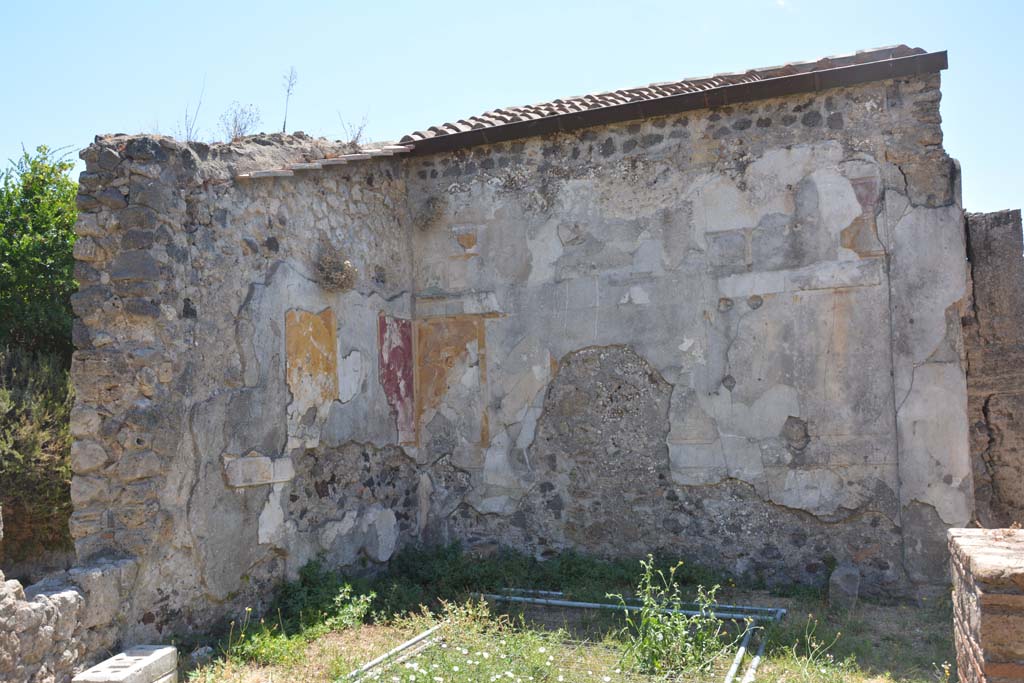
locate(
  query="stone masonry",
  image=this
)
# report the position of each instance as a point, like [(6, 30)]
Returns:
[(988, 604), (731, 334), (994, 339), (63, 623)]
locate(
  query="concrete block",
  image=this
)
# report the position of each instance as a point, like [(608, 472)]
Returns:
[(139, 664)]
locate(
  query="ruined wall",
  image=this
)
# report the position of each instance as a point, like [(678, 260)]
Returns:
[(988, 604), (211, 359), (719, 335), (60, 625), (994, 339), (731, 335)]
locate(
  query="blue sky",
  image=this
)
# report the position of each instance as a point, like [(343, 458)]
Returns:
[(79, 68)]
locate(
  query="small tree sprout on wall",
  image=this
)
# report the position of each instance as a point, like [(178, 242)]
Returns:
[(334, 271)]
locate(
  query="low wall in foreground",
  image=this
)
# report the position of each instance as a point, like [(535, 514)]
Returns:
[(988, 604), (60, 625)]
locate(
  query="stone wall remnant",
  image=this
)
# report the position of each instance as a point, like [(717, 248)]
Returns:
[(994, 340), (60, 625), (685, 334), (988, 604)]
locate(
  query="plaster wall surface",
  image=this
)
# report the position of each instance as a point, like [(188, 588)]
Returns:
[(732, 335), (211, 362)]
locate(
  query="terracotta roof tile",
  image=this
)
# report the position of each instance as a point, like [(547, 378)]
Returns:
[(654, 91)]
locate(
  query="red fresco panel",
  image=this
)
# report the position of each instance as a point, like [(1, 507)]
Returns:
[(394, 337)]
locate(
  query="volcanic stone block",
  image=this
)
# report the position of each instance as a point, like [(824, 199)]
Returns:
[(843, 587)]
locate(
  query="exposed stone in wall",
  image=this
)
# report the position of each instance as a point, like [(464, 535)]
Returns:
[(994, 339), (57, 627), (688, 334), (604, 422), (988, 604), (781, 278), (210, 358), (599, 475), (356, 501)]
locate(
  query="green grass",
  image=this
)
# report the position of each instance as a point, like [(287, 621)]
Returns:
[(324, 625), (476, 645), (888, 641)]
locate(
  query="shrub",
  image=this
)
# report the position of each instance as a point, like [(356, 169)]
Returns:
[(37, 218), (238, 121), (35, 443), (660, 641)]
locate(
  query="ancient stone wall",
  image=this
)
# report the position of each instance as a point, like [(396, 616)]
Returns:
[(994, 339), (718, 335), (731, 334), (211, 358), (64, 623), (988, 604)]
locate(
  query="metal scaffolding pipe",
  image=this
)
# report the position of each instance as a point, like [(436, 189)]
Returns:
[(365, 668), (753, 615), (773, 611), (554, 602), (752, 669), (738, 659)]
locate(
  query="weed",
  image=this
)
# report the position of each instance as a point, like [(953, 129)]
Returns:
[(320, 596), (238, 121), (660, 639), (262, 644), (318, 603), (809, 658)]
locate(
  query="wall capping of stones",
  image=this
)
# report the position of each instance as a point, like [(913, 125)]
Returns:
[(59, 626), (988, 604), (994, 342)]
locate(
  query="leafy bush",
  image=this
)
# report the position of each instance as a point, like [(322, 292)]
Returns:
[(660, 641), (37, 218), (35, 443)]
